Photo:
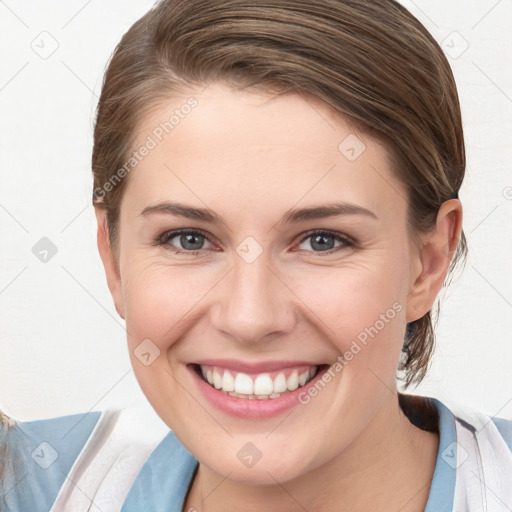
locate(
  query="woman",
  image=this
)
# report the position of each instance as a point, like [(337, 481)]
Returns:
[(276, 189)]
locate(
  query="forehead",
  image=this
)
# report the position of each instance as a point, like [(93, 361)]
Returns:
[(235, 148)]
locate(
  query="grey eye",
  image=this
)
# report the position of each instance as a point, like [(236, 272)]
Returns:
[(184, 240), (191, 242), (322, 241)]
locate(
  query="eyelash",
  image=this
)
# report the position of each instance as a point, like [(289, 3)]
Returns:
[(346, 241)]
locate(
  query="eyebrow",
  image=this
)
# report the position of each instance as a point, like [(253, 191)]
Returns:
[(292, 216)]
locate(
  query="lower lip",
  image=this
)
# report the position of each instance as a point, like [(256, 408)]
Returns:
[(252, 408)]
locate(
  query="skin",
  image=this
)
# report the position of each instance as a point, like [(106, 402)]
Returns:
[(250, 158)]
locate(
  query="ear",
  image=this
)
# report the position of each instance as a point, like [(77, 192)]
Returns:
[(435, 253), (109, 260)]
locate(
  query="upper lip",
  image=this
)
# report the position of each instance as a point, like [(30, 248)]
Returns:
[(253, 367)]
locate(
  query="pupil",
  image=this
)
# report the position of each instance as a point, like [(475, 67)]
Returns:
[(322, 245), (189, 239)]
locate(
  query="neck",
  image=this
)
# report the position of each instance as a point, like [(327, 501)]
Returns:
[(388, 467)]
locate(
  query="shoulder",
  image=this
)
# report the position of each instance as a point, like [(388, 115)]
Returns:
[(485, 429), (484, 426), (484, 457), (474, 461), (164, 479), (36, 456), (504, 427)]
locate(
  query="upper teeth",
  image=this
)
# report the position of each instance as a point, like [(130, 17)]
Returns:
[(263, 385)]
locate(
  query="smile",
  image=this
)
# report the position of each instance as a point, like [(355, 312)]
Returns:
[(261, 386), (254, 391)]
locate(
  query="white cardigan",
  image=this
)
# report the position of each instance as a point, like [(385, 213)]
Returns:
[(484, 476), (110, 462)]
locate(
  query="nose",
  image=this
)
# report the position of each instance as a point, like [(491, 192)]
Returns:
[(254, 303)]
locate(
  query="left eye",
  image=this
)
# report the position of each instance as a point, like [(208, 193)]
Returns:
[(322, 241)]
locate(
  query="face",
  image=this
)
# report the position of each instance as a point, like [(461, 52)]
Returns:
[(229, 270)]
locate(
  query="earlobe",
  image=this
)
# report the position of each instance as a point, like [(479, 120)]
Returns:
[(110, 262), (435, 254)]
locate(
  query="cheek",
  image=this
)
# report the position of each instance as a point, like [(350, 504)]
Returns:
[(349, 300), (158, 300), (160, 305), (361, 311)]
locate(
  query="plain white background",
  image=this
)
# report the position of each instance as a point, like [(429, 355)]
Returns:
[(63, 348)]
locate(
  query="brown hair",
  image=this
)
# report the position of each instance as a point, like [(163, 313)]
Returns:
[(370, 60)]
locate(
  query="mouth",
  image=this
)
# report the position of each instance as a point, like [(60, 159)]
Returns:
[(257, 386)]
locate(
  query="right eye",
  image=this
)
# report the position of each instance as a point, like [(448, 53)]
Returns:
[(187, 241)]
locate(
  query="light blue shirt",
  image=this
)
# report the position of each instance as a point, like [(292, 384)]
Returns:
[(163, 481)]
